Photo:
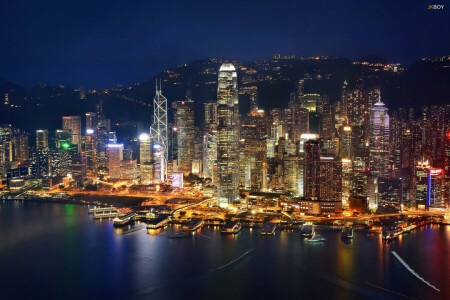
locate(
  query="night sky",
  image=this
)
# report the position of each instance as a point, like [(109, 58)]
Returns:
[(98, 44)]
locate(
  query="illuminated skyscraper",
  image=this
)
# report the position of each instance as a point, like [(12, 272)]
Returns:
[(158, 133), (90, 151), (145, 158), (184, 122), (210, 116), (90, 120), (227, 136), (379, 140), (41, 139), (73, 123), (63, 136), (115, 156)]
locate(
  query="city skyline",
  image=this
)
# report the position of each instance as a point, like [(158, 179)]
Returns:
[(240, 150)]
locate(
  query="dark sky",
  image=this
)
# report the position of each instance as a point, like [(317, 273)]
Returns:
[(97, 43)]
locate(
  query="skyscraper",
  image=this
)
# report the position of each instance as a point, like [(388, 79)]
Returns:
[(158, 133), (145, 157), (41, 139), (73, 123), (184, 122), (227, 136), (379, 140), (115, 156), (210, 116)]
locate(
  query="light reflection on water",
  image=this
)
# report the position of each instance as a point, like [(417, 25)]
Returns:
[(92, 258)]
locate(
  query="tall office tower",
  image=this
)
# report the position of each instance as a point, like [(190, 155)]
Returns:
[(435, 188), (291, 166), (103, 128), (330, 181), (420, 184), (300, 90), (227, 136), (379, 140), (62, 137), (158, 133), (252, 160), (115, 156), (73, 123), (210, 155), (210, 116), (344, 103), (90, 120), (184, 122), (79, 169), (347, 178), (345, 133), (300, 122), (311, 169), (90, 151), (301, 174), (145, 158), (20, 147), (41, 139), (327, 125), (288, 122)]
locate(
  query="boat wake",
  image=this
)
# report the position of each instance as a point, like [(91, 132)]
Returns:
[(212, 273), (233, 261), (412, 271)]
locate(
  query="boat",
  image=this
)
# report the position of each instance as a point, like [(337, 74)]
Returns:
[(193, 225), (391, 233), (125, 219), (347, 232), (315, 238), (307, 230), (232, 227), (268, 229)]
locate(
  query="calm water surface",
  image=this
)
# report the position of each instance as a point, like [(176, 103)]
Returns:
[(57, 251)]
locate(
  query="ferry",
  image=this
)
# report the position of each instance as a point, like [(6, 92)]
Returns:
[(268, 229), (101, 210), (315, 238), (157, 222), (193, 225), (391, 233), (307, 230), (125, 219), (347, 232), (232, 227)]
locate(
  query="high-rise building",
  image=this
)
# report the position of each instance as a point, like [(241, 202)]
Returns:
[(90, 120), (379, 140), (62, 137), (184, 122), (210, 155), (311, 169), (90, 151), (158, 133), (79, 168), (210, 116), (301, 175), (73, 123), (330, 182), (227, 136), (115, 156), (145, 158), (41, 138)]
